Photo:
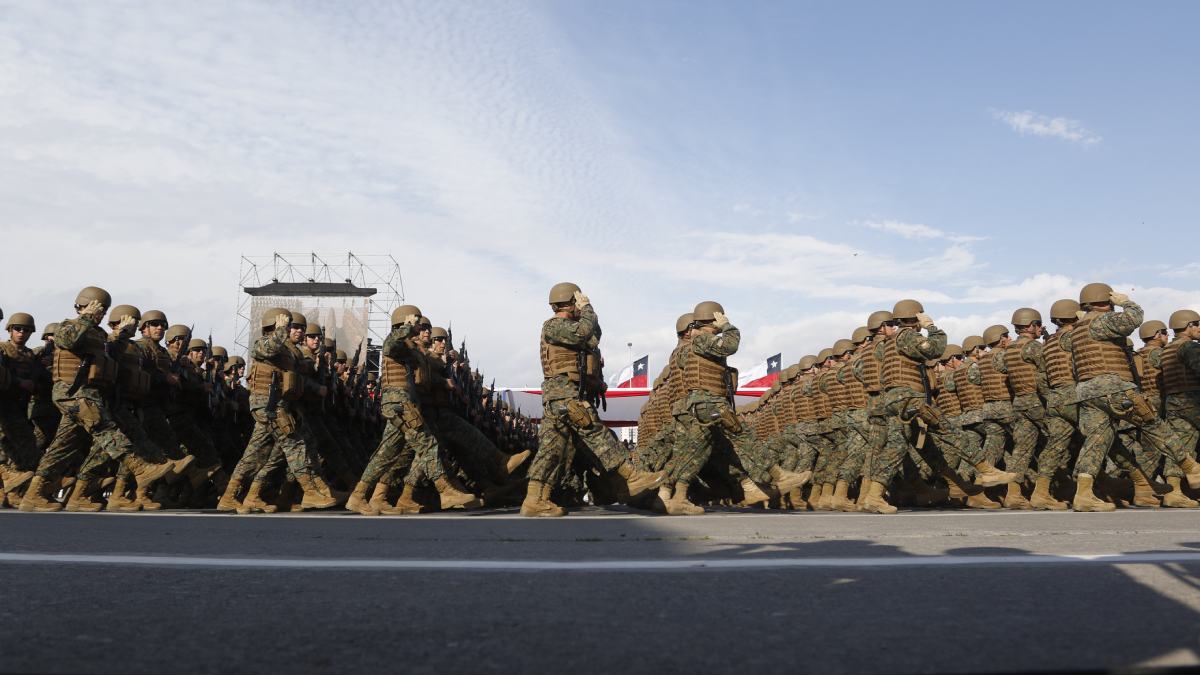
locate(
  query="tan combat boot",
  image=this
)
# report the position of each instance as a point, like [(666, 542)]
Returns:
[(254, 501), (1013, 499), (405, 504), (990, 476), (875, 502), (119, 500), (785, 481), (659, 503), (359, 502), (1191, 471), (316, 492), (36, 498), (145, 473), (511, 463), (450, 496), (12, 479), (229, 499), (1175, 499), (379, 497), (796, 497), (1042, 500), (1143, 491), (752, 494), (81, 496), (679, 504), (825, 503), (840, 500), (1085, 499), (979, 500), (181, 466), (144, 501), (637, 482), (537, 503)]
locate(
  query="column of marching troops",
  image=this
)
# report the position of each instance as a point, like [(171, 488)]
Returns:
[(120, 410), (1016, 418)]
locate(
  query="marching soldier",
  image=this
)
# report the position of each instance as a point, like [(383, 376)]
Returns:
[(1179, 361), (1062, 409), (19, 373)]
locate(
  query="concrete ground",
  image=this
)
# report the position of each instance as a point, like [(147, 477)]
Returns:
[(604, 590)]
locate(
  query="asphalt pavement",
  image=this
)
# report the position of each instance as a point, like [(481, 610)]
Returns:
[(604, 590)]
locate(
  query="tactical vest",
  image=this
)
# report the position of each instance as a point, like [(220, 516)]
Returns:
[(1151, 377), (291, 382), (705, 374), (870, 372), (1177, 377), (856, 391), (834, 390), (559, 360), (970, 395), (1097, 357), (822, 406), (769, 423), (394, 373), (995, 384), (1058, 363), (802, 402), (133, 379), (899, 370), (674, 389), (946, 400), (19, 361), (1022, 375), (102, 372)]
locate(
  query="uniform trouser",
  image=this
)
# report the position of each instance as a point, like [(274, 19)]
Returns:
[(858, 440), (474, 452), (194, 439), (20, 443), (1183, 414), (654, 453), (323, 442), (945, 437), (693, 447), (87, 424), (281, 437), (154, 420), (791, 450), (994, 440), (407, 448), (1061, 420), (1025, 428), (829, 461), (565, 421), (129, 419), (1098, 421)]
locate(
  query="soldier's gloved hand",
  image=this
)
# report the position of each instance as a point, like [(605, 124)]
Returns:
[(720, 320), (1118, 298), (282, 321), (126, 325), (1080, 314), (581, 299), (410, 320), (924, 320), (93, 310)]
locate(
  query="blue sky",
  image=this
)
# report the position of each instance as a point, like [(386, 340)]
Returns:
[(802, 163)]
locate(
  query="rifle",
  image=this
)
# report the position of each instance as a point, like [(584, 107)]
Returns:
[(273, 396), (924, 372), (81, 374)]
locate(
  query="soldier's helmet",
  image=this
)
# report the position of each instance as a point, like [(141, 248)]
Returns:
[(234, 362), (181, 331), (299, 319), (1064, 310), (20, 319), (425, 323), (842, 346), (197, 343), (993, 334), (907, 309), (860, 335), (219, 352), (438, 332), (1179, 320), (340, 356), (49, 330), (1026, 316), (121, 311), (268, 316), (329, 344), (156, 315), (877, 319), (91, 293), (314, 329), (1147, 330), (1093, 293), (972, 343), (563, 292), (682, 323), (789, 373), (706, 311), (403, 312), (807, 362), (372, 377), (824, 355), (952, 350)]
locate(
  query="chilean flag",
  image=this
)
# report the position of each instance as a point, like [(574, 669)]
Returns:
[(764, 375), (635, 376)]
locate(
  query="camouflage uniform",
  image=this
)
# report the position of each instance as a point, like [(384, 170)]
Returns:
[(16, 433), (1182, 400), (42, 412), (1028, 411)]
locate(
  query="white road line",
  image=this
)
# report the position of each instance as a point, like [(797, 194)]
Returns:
[(678, 564)]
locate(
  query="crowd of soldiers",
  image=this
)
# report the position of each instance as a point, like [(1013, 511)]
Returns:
[(1015, 418), (98, 419), (893, 415)]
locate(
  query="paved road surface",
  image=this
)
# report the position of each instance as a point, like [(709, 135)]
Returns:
[(605, 590)]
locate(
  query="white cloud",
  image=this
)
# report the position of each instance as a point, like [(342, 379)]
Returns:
[(1029, 123), (918, 231)]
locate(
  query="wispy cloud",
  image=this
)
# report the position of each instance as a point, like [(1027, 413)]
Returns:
[(918, 231), (1029, 123)]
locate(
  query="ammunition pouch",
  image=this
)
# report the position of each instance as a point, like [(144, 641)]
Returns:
[(920, 410), (730, 421), (285, 422), (1132, 407), (580, 414), (291, 385), (87, 414), (410, 416), (707, 414), (102, 373)]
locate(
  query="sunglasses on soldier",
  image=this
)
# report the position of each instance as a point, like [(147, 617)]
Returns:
[(23, 329), (439, 338), (156, 324)]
